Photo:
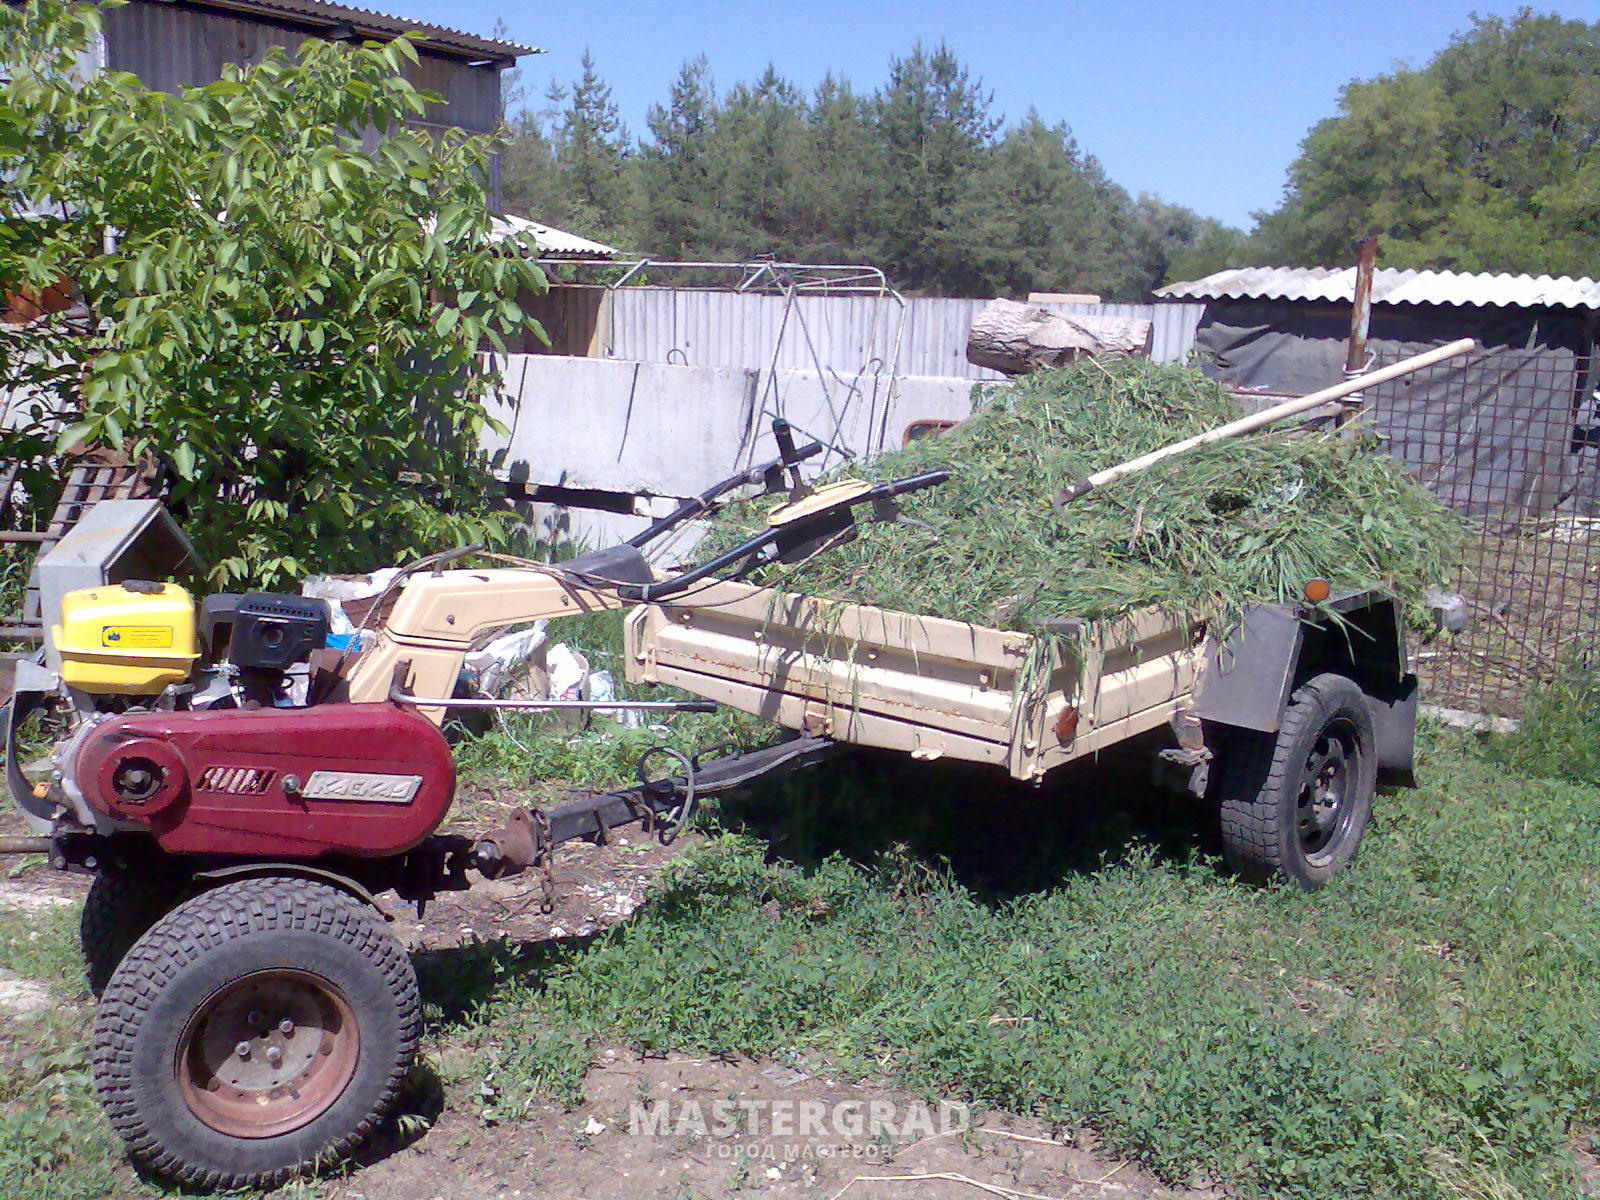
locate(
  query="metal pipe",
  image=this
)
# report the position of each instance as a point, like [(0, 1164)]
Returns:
[(1266, 416), (1355, 357), (404, 697), (26, 845), (848, 282)]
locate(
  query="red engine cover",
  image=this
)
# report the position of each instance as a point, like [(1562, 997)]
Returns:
[(361, 779)]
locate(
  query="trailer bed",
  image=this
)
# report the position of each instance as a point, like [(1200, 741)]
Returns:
[(923, 685)]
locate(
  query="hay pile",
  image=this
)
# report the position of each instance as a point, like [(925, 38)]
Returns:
[(1206, 534)]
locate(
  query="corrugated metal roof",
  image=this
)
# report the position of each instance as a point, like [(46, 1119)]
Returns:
[(553, 243), (364, 23), (1390, 286)]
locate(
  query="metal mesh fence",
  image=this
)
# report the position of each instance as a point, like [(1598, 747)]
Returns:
[(1510, 439)]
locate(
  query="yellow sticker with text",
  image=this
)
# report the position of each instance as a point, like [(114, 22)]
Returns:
[(137, 637)]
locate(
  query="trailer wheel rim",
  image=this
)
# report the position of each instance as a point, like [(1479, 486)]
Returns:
[(268, 1053), (1323, 810)]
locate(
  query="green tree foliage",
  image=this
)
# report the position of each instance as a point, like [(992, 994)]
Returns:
[(1485, 159), (290, 315), (590, 148), (935, 134), (921, 177), (1167, 242), (677, 208), (529, 180), (1057, 215), (839, 163), (758, 167)]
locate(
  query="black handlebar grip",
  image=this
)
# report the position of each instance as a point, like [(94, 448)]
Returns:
[(782, 433)]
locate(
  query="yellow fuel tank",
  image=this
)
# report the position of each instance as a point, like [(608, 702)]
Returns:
[(126, 639)]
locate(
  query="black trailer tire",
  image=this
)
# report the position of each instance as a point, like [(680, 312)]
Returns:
[(1295, 803), (196, 1061), (120, 907)]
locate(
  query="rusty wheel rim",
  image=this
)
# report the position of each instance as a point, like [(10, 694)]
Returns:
[(268, 1053)]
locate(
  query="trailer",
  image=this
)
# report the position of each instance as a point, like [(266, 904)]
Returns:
[(1287, 721)]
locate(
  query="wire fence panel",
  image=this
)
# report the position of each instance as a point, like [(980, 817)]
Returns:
[(1502, 437)]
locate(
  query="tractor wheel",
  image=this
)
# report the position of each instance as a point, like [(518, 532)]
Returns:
[(1295, 803), (259, 1028), (120, 906)]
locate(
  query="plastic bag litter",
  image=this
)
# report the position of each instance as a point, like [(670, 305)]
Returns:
[(501, 658)]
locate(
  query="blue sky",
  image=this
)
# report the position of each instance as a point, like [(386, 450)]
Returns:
[(1203, 103)]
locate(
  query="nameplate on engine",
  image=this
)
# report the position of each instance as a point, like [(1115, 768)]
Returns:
[(361, 785)]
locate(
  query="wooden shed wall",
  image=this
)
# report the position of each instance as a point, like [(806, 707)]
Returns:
[(168, 46)]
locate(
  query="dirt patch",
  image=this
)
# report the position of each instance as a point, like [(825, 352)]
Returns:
[(685, 1127), (38, 889), (591, 888), (682, 1127), (23, 997)]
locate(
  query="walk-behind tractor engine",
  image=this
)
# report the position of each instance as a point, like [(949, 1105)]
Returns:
[(232, 760), (241, 791)]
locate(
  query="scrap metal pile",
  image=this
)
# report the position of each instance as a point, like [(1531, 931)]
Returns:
[(1231, 524)]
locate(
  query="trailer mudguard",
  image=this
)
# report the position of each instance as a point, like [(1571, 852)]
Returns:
[(1248, 677)]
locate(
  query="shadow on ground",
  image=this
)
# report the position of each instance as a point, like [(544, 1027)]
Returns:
[(999, 837)]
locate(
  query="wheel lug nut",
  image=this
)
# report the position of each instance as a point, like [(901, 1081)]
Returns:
[(274, 1056), (286, 1027), (243, 1049), (255, 1017)]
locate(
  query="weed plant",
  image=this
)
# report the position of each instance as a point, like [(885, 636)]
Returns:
[(1206, 534), (1559, 734)]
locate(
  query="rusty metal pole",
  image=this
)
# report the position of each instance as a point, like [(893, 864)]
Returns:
[(1355, 358)]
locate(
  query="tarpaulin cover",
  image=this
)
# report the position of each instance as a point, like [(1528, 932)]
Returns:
[(1492, 434)]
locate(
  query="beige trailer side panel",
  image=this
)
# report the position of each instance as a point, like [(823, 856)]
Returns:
[(923, 685)]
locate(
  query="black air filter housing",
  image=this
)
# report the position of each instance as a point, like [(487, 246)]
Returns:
[(273, 632)]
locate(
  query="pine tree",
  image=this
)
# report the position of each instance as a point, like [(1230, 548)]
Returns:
[(526, 154), (936, 134), (591, 147), (672, 172), (1063, 219), (840, 163), (757, 147)]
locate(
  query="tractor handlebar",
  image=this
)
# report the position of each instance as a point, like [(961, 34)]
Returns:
[(826, 521)]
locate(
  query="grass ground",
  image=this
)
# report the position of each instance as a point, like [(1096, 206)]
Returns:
[(1424, 1027)]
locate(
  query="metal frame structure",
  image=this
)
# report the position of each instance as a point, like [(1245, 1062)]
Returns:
[(755, 275), (789, 280)]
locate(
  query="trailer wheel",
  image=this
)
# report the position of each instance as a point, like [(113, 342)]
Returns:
[(1295, 804), (259, 1028), (120, 906)]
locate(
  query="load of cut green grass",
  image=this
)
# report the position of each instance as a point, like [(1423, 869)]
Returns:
[(1206, 534)]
